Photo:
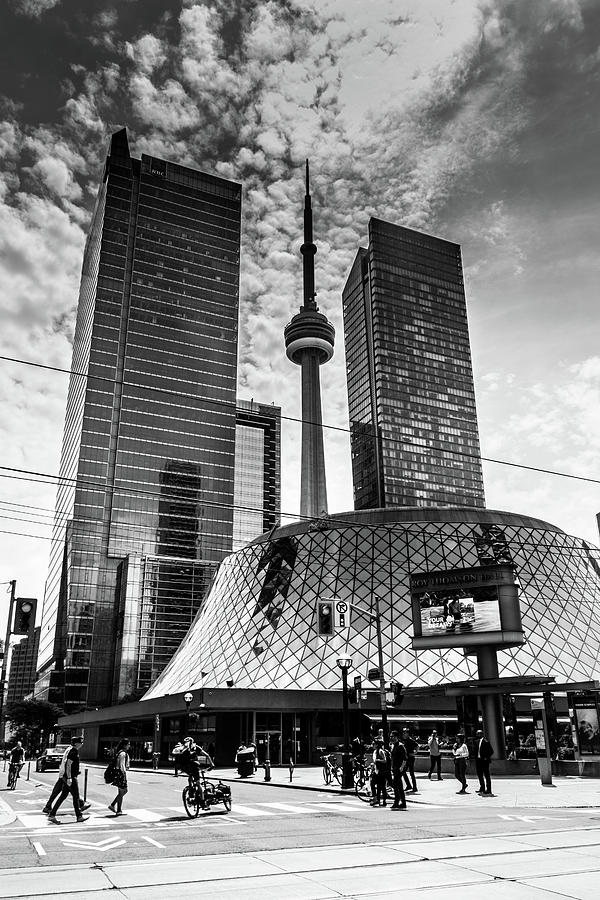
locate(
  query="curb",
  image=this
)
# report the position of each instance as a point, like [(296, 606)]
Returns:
[(7, 815)]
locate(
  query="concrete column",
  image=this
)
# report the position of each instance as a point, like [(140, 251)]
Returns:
[(313, 490), (491, 704)]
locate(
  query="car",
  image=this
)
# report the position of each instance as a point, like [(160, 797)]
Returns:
[(51, 758)]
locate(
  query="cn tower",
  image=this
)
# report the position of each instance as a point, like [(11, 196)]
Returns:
[(309, 341)]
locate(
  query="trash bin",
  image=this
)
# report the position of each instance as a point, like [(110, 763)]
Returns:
[(245, 763)]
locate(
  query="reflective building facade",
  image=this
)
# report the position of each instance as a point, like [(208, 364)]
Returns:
[(146, 476), (257, 487), (413, 421)]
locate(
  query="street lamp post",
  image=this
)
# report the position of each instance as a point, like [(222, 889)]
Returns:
[(187, 698), (344, 663)]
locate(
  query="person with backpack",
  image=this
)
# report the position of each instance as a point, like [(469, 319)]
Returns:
[(121, 764), (381, 769)]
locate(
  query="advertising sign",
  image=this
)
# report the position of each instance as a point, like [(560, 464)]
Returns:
[(462, 607), (587, 723)]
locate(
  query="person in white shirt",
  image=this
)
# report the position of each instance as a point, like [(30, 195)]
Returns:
[(460, 752)]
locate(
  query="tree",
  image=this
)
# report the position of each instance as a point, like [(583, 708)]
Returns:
[(32, 721)]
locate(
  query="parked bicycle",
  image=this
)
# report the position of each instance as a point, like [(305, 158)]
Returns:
[(14, 771), (331, 768), (202, 790)]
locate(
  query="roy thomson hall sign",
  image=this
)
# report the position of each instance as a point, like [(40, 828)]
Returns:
[(466, 607)]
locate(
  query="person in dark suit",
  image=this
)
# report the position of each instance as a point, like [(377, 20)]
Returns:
[(483, 754)]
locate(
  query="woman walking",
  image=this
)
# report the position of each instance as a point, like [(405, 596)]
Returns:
[(120, 779)]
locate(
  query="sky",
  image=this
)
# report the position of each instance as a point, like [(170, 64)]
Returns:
[(474, 120)]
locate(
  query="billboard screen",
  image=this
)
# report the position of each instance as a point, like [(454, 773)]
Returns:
[(462, 607)]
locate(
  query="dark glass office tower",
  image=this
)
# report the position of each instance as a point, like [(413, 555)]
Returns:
[(257, 488), (149, 441), (413, 422)]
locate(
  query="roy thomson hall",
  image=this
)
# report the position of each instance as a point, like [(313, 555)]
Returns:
[(475, 606)]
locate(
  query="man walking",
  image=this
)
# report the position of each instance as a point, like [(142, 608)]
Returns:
[(70, 783), (411, 748), (485, 751), (58, 787), (398, 764), (381, 761), (435, 756), (460, 752)]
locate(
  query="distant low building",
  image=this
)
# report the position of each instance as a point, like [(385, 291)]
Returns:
[(23, 662)]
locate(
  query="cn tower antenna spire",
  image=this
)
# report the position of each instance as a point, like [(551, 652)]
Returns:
[(309, 341), (308, 250)]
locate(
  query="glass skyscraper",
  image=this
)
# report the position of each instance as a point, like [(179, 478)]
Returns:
[(146, 490), (257, 484), (413, 421)]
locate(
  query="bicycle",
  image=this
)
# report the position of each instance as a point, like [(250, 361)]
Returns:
[(331, 768), (14, 770), (211, 792), (362, 779)]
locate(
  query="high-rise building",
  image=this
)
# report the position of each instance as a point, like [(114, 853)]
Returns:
[(309, 341), (413, 421), (147, 468), (159, 596), (257, 485), (23, 660)]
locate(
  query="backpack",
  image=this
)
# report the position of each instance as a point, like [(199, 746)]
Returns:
[(382, 761), (110, 772)]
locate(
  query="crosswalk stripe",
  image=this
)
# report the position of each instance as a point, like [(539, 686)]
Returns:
[(249, 811), (283, 807), (338, 807), (144, 815)]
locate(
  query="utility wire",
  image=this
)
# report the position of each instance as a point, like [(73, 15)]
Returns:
[(405, 442)]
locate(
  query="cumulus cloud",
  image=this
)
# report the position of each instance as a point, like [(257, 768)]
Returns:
[(33, 8), (431, 115)]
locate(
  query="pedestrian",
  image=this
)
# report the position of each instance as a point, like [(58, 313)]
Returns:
[(120, 777), (177, 751), (460, 752), (435, 756), (398, 760), (411, 748), (484, 753), (60, 783), (381, 769), (70, 782)]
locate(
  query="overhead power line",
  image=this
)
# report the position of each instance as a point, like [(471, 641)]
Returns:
[(404, 442)]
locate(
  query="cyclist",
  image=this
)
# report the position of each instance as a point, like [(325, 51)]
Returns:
[(191, 759), (17, 761)]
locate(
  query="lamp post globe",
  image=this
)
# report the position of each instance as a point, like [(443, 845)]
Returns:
[(344, 661), (187, 698)]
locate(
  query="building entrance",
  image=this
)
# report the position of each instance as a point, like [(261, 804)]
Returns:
[(268, 746)]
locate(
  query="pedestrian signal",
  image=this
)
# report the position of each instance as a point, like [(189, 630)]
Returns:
[(325, 618), (24, 615), (397, 690), (352, 695)]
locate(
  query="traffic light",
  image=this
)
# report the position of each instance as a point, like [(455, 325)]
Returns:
[(325, 618), (24, 615), (397, 690)]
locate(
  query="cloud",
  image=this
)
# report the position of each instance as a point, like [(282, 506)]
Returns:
[(33, 8), (464, 119)]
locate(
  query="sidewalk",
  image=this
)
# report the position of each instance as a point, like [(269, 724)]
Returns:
[(541, 866), (523, 792)]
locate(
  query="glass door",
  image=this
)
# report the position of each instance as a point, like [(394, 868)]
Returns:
[(268, 746)]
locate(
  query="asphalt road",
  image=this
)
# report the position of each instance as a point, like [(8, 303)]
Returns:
[(263, 817)]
